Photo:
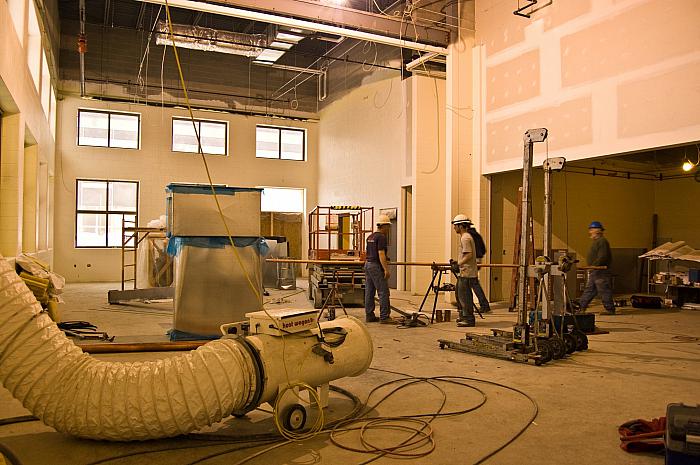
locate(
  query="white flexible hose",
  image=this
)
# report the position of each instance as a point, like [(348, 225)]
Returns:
[(81, 396)]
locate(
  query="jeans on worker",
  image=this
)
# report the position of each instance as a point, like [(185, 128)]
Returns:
[(465, 300), (480, 294), (375, 282), (598, 283)]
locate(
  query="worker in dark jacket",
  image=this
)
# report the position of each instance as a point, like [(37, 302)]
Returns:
[(377, 273), (599, 281)]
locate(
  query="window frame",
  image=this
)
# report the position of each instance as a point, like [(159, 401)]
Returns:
[(109, 114), (279, 141), (199, 122), (106, 212)]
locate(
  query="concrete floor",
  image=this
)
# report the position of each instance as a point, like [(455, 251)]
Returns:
[(649, 358)]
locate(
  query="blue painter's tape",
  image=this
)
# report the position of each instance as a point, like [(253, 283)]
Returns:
[(176, 243)]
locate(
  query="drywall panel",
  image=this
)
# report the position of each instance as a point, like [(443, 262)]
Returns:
[(496, 26), (156, 166), (646, 34), (632, 65), (513, 81), (559, 13), (669, 107), (569, 125)]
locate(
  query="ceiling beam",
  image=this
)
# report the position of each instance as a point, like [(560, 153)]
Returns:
[(302, 24)]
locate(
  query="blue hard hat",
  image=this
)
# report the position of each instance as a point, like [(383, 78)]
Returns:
[(596, 224)]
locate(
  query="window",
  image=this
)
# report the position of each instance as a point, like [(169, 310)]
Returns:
[(280, 143), (100, 208), (282, 199), (109, 129), (212, 134)]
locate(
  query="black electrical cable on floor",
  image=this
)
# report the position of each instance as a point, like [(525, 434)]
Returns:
[(20, 419), (8, 455), (493, 383)]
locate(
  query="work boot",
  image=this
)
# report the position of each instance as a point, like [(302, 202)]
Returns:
[(388, 321), (371, 318), (466, 322), (609, 312)]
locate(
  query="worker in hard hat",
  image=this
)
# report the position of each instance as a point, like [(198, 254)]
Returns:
[(599, 281), (377, 272), (467, 271)]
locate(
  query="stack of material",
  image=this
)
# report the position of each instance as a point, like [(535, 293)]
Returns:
[(673, 251), (215, 282), (44, 284), (38, 286)]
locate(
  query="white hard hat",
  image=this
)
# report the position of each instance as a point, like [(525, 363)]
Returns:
[(461, 219), (383, 219)]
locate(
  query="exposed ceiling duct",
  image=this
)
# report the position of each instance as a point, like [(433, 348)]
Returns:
[(211, 40)]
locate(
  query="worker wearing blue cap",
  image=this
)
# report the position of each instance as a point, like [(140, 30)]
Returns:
[(598, 280)]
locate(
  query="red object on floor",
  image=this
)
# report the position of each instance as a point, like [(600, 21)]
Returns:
[(643, 435)]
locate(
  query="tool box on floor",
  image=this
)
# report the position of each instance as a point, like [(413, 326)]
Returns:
[(682, 434), (584, 321)]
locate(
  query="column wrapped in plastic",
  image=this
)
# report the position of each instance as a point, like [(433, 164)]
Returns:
[(79, 395)]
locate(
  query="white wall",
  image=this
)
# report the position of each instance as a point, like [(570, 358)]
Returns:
[(364, 156), (155, 166), (26, 140), (363, 147)]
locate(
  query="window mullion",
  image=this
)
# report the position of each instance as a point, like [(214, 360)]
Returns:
[(279, 146), (107, 215)]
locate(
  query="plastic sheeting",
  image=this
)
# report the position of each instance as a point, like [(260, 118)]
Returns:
[(211, 286)]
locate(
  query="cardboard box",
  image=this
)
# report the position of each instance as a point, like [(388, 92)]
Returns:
[(191, 211)]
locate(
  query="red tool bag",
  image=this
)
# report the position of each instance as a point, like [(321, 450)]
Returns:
[(643, 435)]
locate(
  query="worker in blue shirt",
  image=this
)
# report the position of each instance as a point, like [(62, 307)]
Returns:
[(377, 273)]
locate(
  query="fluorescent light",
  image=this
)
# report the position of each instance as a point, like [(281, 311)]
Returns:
[(282, 45), (270, 55), (287, 37)]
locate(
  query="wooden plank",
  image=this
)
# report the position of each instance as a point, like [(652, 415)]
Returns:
[(115, 296)]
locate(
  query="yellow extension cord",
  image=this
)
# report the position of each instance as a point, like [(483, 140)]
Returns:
[(318, 425)]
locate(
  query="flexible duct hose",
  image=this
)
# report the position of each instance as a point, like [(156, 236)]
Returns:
[(81, 396)]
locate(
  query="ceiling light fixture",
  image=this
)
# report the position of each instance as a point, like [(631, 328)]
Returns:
[(689, 165)]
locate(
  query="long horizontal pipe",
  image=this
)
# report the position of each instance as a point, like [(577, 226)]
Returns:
[(358, 262), (298, 23), (121, 347)]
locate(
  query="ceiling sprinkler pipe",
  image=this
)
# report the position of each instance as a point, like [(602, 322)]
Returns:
[(123, 401)]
